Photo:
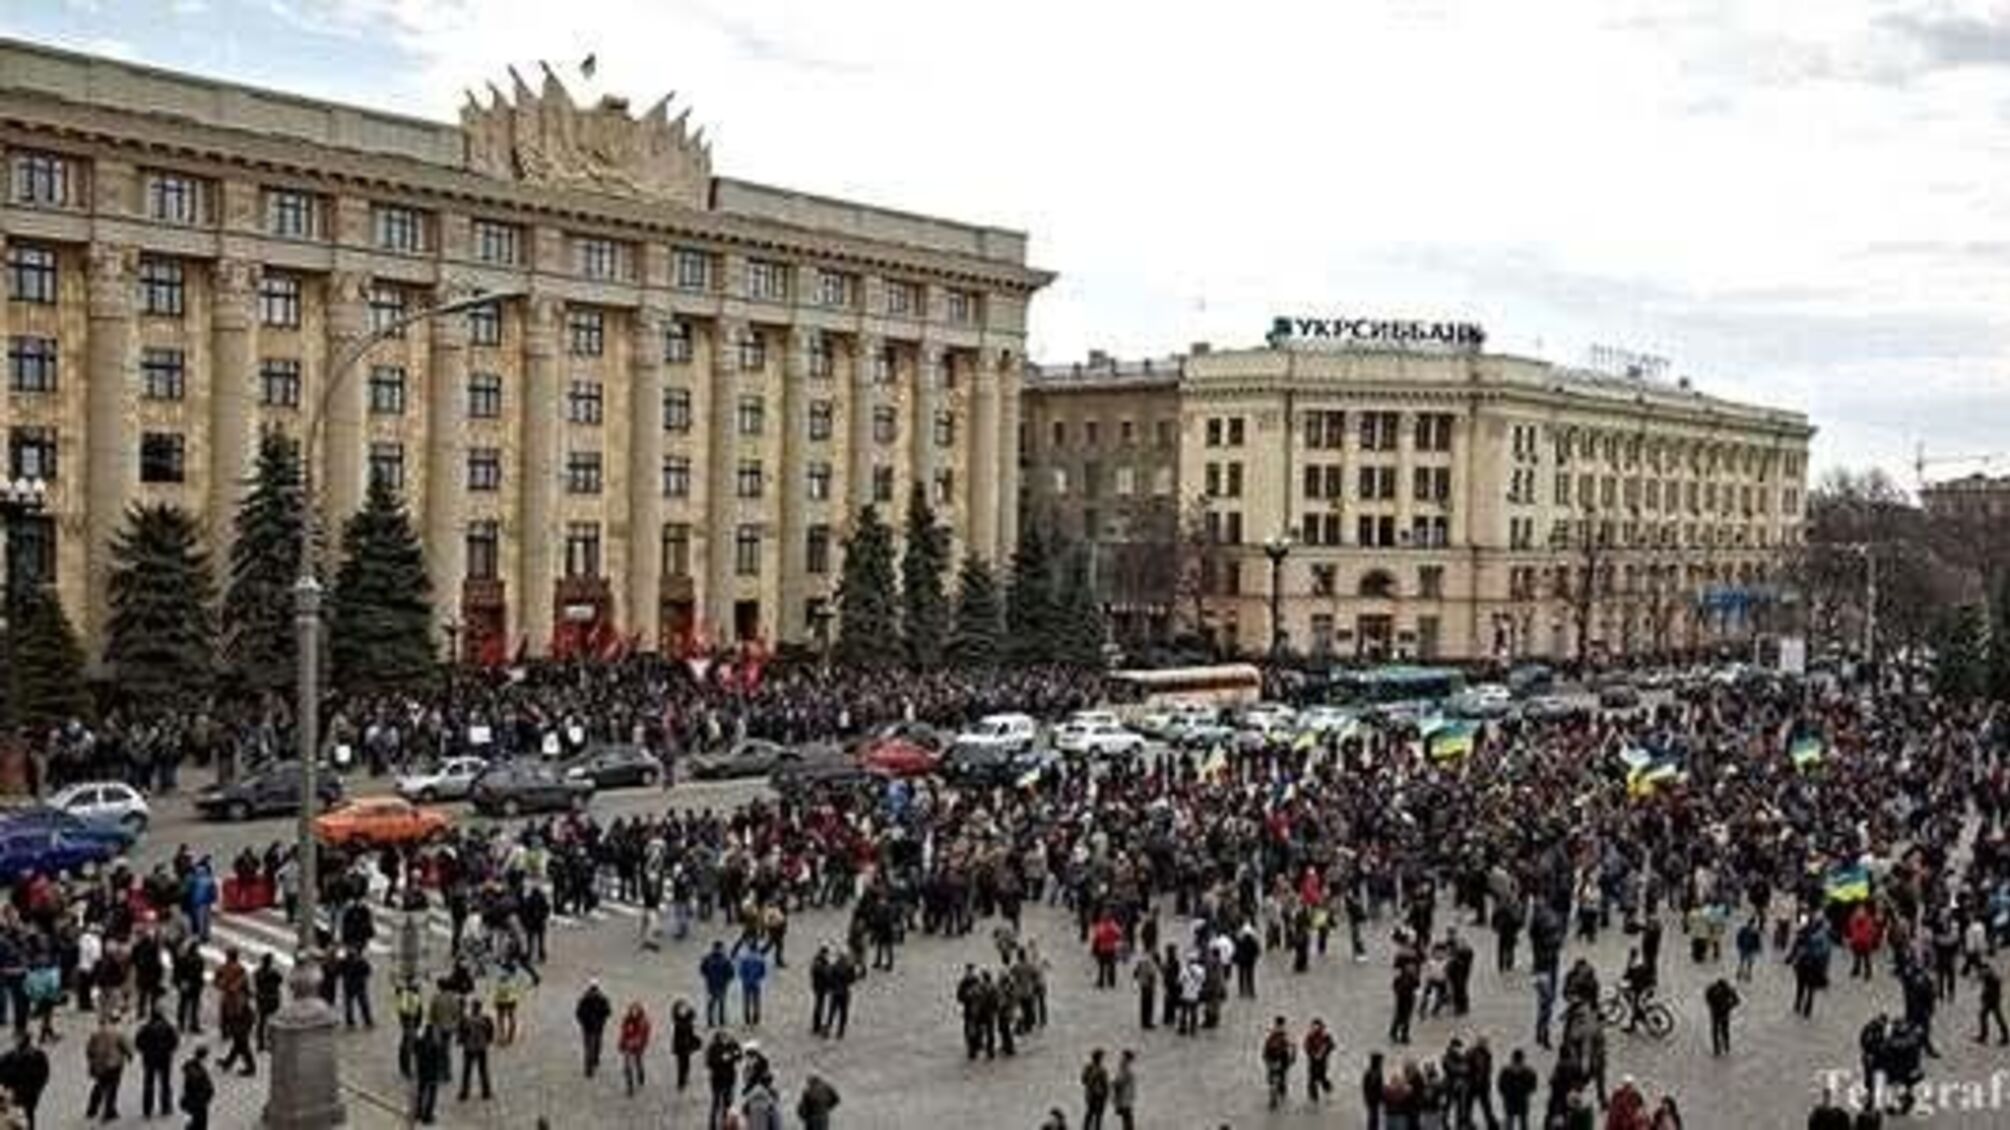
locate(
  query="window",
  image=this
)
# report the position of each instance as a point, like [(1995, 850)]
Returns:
[(1092, 433), (279, 301), (1378, 431), (585, 332), (1092, 478), (1325, 480), (31, 454), (31, 273), (292, 214), (1375, 530), (885, 426), (1058, 432), (582, 549), (822, 365), (1434, 484), (387, 309), (1431, 582), (41, 179), (882, 484), (751, 415), (484, 468), (583, 402), (387, 390), (817, 550), (1325, 430), (174, 198), (31, 364), (163, 290), (1126, 482), (818, 482), (1224, 431), (1163, 434), (903, 298), (677, 549), (1320, 529), (495, 242), (582, 472), (1429, 530), (1433, 432), (1325, 580), (884, 363), (677, 342), (753, 349), (398, 228), (676, 476), (945, 429), (821, 414), (279, 382), (485, 324), (599, 258), (484, 550), (834, 288), (387, 465), (161, 374), (750, 480), (1376, 483), (767, 280), (962, 307), (691, 269), (485, 395), (945, 488), (747, 551), (676, 409)]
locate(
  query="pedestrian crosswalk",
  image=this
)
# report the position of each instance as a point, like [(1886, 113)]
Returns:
[(260, 932)]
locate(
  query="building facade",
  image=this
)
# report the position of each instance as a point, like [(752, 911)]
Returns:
[(689, 388), (1970, 498), (1423, 502)]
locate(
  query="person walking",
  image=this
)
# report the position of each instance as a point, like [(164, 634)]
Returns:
[(106, 1054), (591, 1014), (267, 988), (477, 1035), (24, 1072), (1095, 1090), (752, 968), (717, 972), (156, 1042), (1124, 1089), (430, 1059), (632, 1043), (235, 1019), (1319, 1047), (198, 1090), (684, 1039), (722, 1068), (1721, 999), (817, 1101), (1991, 1005), (1517, 1086), (1146, 974), (1277, 1056)]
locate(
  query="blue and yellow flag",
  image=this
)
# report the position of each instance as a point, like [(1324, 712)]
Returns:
[(1216, 763), (1451, 741), (1806, 752), (1646, 778), (1848, 884)]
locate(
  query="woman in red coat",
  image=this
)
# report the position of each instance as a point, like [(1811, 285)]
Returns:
[(1863, 933), (633, 1043)]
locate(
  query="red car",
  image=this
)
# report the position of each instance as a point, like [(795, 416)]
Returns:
[(897, 757)]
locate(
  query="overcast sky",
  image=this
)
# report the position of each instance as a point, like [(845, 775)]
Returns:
[(1805, 202)]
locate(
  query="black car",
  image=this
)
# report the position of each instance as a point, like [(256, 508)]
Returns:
[(751, 757), (1618, 695), (272, 791), (516, 787), (797, 771), (981, 767), (615, 766)]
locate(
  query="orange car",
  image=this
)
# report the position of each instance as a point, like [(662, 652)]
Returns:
[(379, 820)]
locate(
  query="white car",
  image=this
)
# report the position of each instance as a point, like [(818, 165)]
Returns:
[(1267, 716), (1099, 737), (452, 779), (1323, 719), (104, 802), (1000, 731)]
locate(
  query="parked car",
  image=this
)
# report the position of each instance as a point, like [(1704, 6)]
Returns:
[(750, 757), (111, 802), (378, 821), (1531, 679), (1487, 700), (512, 788), (1265, 717), (616, 766), (271, 791), (449, 780), (1618, 694), (1550, 708), (1102, 737), (1003, 731), (1324, 719), (897, 757), (979, 767), (811, 766), (47, 850), (1199, 730), (119, 836)]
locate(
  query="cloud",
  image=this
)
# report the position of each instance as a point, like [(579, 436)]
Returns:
[(1954, 39)]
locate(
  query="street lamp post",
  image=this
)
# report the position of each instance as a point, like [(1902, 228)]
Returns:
[(304, 1084), (1277, 549)]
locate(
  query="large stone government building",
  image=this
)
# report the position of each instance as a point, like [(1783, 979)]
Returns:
[(664, 429), (1427, 499)]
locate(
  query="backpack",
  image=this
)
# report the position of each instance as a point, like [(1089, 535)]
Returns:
[(43, 984)]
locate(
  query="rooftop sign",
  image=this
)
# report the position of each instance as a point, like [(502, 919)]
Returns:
[(1377, 332)]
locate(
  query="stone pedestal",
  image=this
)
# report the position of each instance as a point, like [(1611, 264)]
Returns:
[(306, 1092)]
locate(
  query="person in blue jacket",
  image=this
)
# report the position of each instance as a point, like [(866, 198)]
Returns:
[(753, 966), (717, 971)]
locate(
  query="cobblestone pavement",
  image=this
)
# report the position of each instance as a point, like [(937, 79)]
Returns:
[(902, 1063)]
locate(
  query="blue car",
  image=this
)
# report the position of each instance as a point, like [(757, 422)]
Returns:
[(120, 836), (29, 847)]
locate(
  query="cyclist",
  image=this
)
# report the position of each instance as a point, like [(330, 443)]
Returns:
[(1278, 1053), (1637, 986)]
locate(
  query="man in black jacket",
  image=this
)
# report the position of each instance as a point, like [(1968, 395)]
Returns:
[(197, 1089), (592, 1013), (1517, 1085), (431, 1058), (156, 1041), (24, 1071)]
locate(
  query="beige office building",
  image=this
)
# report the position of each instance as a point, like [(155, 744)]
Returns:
[(1432, 500), (665, 429)]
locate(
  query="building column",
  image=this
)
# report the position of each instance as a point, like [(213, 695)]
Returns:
[(446, 465), (864, 398), (1008, 462), (721, 448), (980, 483), (342, 464), (110, 478), (791, 554), (924, 400), (645, 478), (232, 370), (537, 535)]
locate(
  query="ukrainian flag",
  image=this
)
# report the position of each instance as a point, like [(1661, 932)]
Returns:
[(1215, 764), (1451, 741), (1806, 752), (1304, 741), (1030, 777), (1849, 884), (1642, 780)]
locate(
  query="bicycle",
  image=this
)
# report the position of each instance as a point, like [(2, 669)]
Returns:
[(1656, 1018)]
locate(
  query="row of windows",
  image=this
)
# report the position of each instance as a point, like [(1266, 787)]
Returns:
[(54, 180), (31, 454)]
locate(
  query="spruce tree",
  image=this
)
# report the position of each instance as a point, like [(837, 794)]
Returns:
[(381, 614), (869, 616), (1999, 638), (1078, 639), (258, 632), (1029, 602), (46, 676), (924, 603), (160, 641), (1960, 668), (974, 640)]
